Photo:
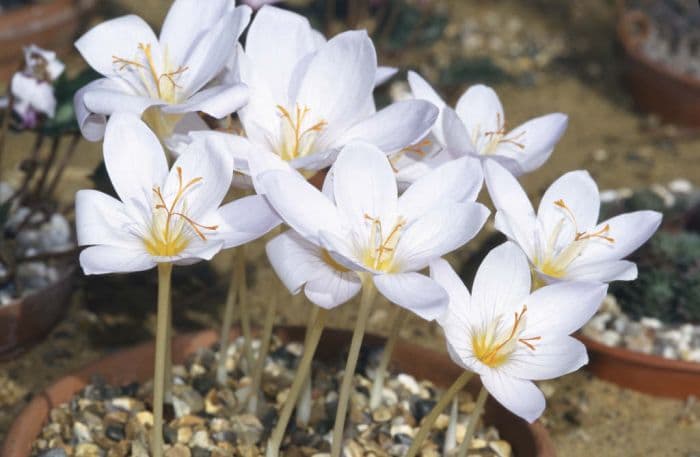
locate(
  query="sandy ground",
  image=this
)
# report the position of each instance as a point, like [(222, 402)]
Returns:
[(586, 416)]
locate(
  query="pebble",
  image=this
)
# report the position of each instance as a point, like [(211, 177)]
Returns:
[(120, 424)]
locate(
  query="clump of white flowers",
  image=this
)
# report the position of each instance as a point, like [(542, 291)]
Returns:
[(306, 107)]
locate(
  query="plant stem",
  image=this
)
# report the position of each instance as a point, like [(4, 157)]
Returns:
[(67, 156), (368, 294), (473, 420), (266, 336), (451, 432), (5, 126), (233, 286), (243, 306), (273, 445), (164, 275), (55, 145), (168, 386), (429, 420), (399, 318), (303, 408)]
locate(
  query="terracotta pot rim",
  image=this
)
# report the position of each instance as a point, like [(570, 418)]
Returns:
[(62, 9), (632, 50), (23, 430), (640, 358), (72, 268)]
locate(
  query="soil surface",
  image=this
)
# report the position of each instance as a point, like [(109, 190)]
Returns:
[(619, 146)]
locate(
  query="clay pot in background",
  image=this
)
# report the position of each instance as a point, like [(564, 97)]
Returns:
[(52, 25)]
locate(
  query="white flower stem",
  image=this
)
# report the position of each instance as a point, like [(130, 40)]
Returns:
[(473, 421), (168, 386), (275, 441), (266, 336), (164, 275), (368, 294), (429, 420), (303, 408), (451, 432), (239, 271), (397, 321), (227, 321)]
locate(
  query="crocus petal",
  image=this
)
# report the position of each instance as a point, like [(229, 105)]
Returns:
[(607, 271), (39, 94), (384, 74), (247, 218), (442, 273), (330, 287), (97, 260), (186, 23), (414, 292), (115, 38), (422, 90), (196, 250), (440, 231), (502, 282), (339, 79), (562, 308), (217, 101), (538, 136), (211, 52), (294, 259), (100, 219), (300, 205), (458, 181), (480, 110), (552, 357), (92, 125), (580, 194), (515, 216), (519, 396), (277, 40), (128, 142), (457, 139), (364, 184), (213, 166), (629, 231), (115, 99), (397, 126)]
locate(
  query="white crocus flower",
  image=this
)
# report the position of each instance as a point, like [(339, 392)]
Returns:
[(364, 227), (162, 78), (32, 88), (564, 240), (162, 215), (477, 127), (309, 97), (509, 336)]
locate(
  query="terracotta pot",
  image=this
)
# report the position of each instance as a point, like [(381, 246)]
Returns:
[(654, 87), (136, 364), (643, 372), (30, 318), (52, 25)]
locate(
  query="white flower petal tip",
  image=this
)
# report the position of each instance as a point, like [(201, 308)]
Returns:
[(358, 225), (162, 215), (163, 77)]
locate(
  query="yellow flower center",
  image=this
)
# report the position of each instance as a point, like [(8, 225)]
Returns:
[(171, 229), (298, 132), (554, 262), (493, 348), (492, 139), (379, 253), (159, 84), (419, 150)]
